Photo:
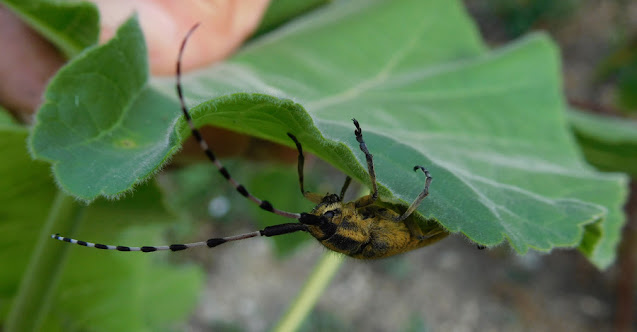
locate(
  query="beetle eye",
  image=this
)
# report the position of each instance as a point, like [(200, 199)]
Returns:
[(328, 214)]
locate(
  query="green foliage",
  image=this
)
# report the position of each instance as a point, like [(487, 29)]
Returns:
[(281, 11), (91, 112), (520, 16), (124, 284), (5, 118), (26, 193), (72, 26), (621, 67), (134, 292), (490, 126), (608, 143), (191, 189)]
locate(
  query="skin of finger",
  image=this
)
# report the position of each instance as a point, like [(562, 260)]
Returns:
[(225, 24), (26, 64)]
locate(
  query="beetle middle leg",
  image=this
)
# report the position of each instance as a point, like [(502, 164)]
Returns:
[(371, 198), (420, 197)]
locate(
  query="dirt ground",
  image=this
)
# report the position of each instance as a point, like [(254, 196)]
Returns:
[(450, 286)]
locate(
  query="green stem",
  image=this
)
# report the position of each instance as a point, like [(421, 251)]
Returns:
[(305, 300), (34, 296)]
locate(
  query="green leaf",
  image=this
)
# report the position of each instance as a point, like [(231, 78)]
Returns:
[(70, 25), (26, 193), (490, 126), (90, 125), (611, 145), (6, 119), (99, 290), (608, 143), (281, 11)]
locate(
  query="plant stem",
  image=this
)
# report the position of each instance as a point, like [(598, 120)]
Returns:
[(33, 299), (313, 288)]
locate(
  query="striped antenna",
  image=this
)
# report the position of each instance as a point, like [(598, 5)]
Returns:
[(210, 243), (265, 205)]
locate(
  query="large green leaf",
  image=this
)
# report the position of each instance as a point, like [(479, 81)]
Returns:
[(493, 122), (123, 285), (91, 113), (490, 126), (70, 25)]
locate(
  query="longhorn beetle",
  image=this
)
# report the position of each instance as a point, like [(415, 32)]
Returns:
[(360, 229)]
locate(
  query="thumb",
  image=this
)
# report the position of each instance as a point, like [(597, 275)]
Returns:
[(224, 26)]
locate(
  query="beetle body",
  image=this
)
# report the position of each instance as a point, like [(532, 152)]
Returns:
[(367, 232)]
